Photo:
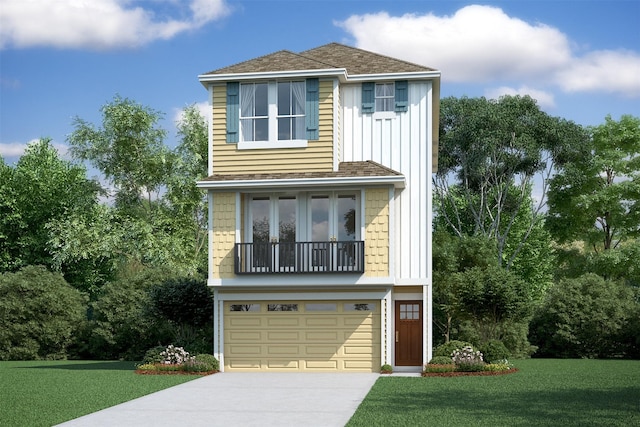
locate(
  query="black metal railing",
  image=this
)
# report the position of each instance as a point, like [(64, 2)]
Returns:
[(299, 257)]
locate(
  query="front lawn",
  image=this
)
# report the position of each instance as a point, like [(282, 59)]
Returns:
[(38, 393), (544, 392)]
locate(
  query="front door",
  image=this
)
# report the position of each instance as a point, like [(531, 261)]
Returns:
[(408, 333)]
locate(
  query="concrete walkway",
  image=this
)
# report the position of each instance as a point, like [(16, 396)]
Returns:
[(244, 399)]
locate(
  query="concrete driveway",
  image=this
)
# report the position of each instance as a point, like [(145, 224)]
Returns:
[(244, 399)]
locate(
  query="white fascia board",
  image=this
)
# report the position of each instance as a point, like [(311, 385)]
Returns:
[(422, 75), (341, 73), (396, 181)]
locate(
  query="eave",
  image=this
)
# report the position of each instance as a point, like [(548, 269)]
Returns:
[(302, 183)]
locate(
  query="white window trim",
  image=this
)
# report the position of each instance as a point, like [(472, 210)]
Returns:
[(273, 141)]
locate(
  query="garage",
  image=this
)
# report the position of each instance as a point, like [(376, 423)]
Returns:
[(302, 335)]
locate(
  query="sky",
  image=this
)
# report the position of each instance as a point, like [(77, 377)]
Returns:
[(60, 59)]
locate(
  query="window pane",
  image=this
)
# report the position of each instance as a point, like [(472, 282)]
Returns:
[(299, 128), (282, 307), (287, 223), (247, 129), (284, 99), (284, 128), (260, 211), (261, 132), (244, 307), (320, 306), (298, 96), (261, 99), (320, 219), (246, 100), (346, 217)]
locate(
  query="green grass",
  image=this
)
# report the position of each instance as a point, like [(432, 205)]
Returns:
[(41, 393), (543, 393)]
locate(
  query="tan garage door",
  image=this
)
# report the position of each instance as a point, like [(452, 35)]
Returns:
[(302, 336)]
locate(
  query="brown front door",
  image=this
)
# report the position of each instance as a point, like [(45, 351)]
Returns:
[(408, 333)]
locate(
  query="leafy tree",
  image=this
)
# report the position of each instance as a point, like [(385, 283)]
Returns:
[(39, 314), (128, 149), (491, 153), (596, 198), (41, 189), (586, 317)]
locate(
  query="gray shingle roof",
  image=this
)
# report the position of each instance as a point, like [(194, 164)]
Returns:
[(333, 55), (345, 170)]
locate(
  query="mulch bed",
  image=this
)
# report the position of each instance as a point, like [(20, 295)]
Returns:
[(150, 372), (469, 374)]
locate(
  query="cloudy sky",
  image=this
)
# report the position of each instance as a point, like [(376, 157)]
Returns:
[(64, 58)]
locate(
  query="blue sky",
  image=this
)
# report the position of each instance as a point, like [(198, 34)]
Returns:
[(63, 58)]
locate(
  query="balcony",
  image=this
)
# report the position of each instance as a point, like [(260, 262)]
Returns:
[(299, 257)]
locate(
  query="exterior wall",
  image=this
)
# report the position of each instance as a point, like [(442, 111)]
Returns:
[(400, 142), (224, 234), (317, 156), (376, 239)]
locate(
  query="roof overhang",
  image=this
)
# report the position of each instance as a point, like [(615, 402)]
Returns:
[(397, 181)]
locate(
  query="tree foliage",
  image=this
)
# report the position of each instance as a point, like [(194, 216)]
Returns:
[(596, 198), (39, 314), (490, 154)]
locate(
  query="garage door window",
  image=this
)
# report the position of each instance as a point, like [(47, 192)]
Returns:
[(282, 307), (359, 306), (244, 307), (321, 306)]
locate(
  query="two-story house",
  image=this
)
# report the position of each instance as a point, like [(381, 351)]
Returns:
[(319, 194)]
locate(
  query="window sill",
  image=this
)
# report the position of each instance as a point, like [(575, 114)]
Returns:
[(384, 115), (270, 145)]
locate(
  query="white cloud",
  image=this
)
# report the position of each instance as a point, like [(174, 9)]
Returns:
[(17, 149), (203, 107), (482, 44), (95, 24), (545, 99)]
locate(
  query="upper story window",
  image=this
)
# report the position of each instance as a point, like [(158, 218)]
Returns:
[(385, 97), (272, 114)]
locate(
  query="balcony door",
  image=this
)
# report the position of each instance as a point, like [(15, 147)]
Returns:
[(273, 220), (333, 225)]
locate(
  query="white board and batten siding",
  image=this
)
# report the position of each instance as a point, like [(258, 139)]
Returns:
[(402, 142)]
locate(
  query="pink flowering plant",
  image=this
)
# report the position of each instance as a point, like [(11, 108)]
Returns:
[(175, 356), (467, 359)]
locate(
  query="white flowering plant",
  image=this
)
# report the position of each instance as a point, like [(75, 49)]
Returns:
[(175, 356), (467, 359)]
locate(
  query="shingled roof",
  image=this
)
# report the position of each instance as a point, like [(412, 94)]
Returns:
[(330, 56)]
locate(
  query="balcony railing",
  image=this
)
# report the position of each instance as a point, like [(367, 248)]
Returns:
[(299, 257)]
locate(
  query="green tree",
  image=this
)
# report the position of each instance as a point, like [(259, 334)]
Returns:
[(491, 155), (596, 198), (128, 149), (39, 314), (586, 316), (41, 189)]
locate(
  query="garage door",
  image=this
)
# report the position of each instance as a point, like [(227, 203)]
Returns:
[(302, 336)]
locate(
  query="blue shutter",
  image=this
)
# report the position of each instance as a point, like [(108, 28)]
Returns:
[(233, 112), (402, 95), (368, 97), (312, 114)]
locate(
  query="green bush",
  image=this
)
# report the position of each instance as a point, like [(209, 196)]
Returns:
[(496, 367), (494, 351), (440, 360), (39, 314), (153, 355), (439, 368), (386, 368), (585, 317), (447, 348), (210, 360)]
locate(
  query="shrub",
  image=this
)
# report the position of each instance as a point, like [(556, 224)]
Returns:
[(439, 368), (467, 359), (39, 314), (386, 368), (175, 356), (212, 363), (153, 355), (147, 367), (447, 348), (497, 367), (494, 350), (440, 360)]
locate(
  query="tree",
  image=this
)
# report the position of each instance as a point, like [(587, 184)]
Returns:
[(491, 155), (129, 150), (596, 198), (39, 314), (43, 188)]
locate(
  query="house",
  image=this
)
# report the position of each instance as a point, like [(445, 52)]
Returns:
[(319, 194)]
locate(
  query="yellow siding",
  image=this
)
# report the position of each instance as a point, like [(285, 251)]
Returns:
[(376, 241), (317, 156), (224, 234)]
